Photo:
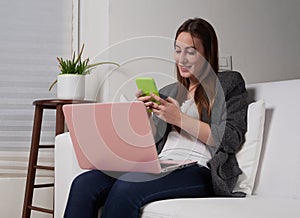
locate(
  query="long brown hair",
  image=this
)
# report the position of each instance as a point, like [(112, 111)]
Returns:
[(205, 90)]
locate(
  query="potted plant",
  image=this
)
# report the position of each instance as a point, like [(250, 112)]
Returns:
[(71, 80)]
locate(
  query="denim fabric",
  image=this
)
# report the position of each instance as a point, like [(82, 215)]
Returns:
[(123, 197)]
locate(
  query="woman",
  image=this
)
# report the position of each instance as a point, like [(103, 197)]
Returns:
[(203, 119)]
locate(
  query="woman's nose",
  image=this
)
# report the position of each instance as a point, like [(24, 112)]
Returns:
[(182, 59)]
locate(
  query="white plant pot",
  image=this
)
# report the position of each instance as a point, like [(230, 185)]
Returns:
[(70, 86)]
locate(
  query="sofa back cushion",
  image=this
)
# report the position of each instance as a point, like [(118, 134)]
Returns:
[(279, 169), (248, 156)]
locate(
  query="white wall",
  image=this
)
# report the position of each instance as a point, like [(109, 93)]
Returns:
[(94, 33), (261, 35), (12, 197)]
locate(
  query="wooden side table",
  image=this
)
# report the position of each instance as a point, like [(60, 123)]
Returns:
[(40, 105)]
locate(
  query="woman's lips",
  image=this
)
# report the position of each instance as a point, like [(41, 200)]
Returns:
[(184, 69)]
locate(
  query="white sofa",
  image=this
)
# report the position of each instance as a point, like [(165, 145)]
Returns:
[(275, 191)]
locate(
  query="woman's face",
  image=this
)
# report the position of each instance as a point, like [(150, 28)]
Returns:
[(189, 55)]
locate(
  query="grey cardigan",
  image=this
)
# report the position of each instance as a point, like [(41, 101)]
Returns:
[(228, 125)]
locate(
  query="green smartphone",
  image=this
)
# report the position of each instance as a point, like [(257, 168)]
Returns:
[(147, 85)]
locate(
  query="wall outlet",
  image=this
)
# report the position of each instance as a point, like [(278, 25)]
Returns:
[(225, 63)]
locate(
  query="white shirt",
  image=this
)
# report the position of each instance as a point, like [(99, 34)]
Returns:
[(183, 146)]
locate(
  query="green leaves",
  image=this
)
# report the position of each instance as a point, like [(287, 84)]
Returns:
[(77, 65)]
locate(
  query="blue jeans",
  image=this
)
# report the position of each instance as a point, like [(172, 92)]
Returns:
[(123, 197)]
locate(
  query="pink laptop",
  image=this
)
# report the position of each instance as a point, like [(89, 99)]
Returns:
[(115, 137)]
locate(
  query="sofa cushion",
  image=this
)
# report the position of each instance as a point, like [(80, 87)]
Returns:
[(249, 207), (248, 156)]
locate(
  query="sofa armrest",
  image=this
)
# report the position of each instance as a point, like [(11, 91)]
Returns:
[(66, 169)]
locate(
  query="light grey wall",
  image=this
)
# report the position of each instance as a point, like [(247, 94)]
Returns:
[(262, 36)]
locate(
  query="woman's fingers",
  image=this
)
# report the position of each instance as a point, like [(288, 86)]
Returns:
[(172, 101), (141, 97), (158, 99), (149, 104), (139, 93), (144, 98)]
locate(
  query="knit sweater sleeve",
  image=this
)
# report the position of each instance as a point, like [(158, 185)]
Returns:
[(228, 127)]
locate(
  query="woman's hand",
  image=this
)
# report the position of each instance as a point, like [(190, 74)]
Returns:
[(167, 110), (146, 99), (148, 104)]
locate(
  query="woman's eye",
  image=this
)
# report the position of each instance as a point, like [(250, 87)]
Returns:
[(191, 52), (177, 51)]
